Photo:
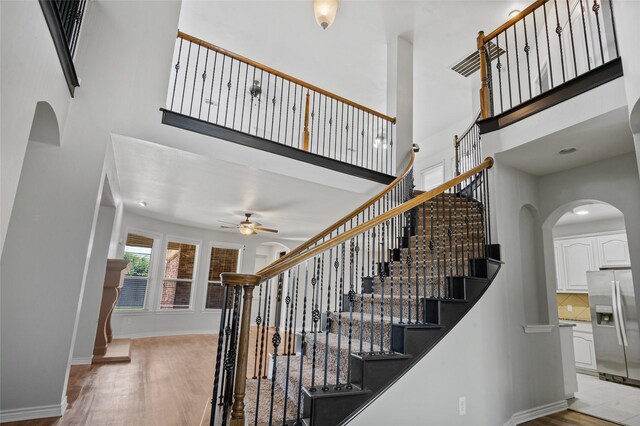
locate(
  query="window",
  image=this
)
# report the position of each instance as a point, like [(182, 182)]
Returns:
[(179, 265), (222, 260), (134, 290)]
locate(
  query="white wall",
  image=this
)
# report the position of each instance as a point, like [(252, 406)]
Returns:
[(31, 72), (46, 253), (153, 322), (92, 294), (614, 181)]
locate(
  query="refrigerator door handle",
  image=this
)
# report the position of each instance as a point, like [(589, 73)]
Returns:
[(616, 316), (620, 315)]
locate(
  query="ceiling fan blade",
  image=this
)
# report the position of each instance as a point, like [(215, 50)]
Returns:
[(258, 228), (228, 227)]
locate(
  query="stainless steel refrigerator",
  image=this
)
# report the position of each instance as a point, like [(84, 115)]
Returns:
[(614, 316)]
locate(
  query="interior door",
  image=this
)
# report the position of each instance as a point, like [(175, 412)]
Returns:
[(630, 319)]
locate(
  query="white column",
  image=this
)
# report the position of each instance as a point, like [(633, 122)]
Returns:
[(400, 96)]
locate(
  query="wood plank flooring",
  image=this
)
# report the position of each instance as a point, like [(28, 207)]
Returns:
[(168, 382), (568, 418)]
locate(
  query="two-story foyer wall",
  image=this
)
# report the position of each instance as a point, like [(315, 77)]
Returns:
[(152, 321)]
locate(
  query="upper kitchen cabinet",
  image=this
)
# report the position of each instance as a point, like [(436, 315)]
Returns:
[(613, 250), (578, 255)]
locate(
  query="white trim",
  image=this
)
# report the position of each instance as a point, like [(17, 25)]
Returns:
[(537, 412), (537, 328), (590, 234), (163, 333), (30, 413), (83, 360)]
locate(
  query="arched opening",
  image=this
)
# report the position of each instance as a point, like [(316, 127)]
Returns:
[(44, 127), (585, 241)]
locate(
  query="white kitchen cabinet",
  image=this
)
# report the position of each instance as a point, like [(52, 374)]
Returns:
[(584, 349), (613, 250), (560, 278), (578, 256)]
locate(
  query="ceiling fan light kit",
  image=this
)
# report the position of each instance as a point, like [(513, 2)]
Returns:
[(247, 227)]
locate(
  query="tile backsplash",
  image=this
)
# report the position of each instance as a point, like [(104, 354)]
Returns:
[(579, 303)]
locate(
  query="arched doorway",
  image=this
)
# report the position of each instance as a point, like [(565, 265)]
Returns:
[(582, 237)]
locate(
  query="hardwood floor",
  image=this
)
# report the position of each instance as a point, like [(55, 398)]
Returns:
[(568, 418), (168, 382)]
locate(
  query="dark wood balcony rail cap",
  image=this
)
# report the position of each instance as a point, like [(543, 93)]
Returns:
[(231, 278)]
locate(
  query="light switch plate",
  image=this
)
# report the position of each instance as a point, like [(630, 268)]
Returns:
[(569, 308)]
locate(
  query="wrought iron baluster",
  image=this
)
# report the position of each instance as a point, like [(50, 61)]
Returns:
[(383, 273), (273, 102), (204, 80), (175, 79), (186, 74), (527, 49), (573, 47), (559, 32), (286, 121), (235, 100), (351, 296), (535, 35), (275, 341), (303, 342), (506, 52), (244, 96), (266, 107), (288, 336), (586, 39), (499, 68), (596, 8), (325, 386), (515, 41), (230, 358), (218, 365)]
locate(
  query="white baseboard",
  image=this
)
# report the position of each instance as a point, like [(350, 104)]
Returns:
[(81, 360), (537, 412), (31, 413), (162, 333)]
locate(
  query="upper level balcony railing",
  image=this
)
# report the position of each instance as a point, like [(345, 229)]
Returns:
[(559, 47), (64, 19), (218, 87)]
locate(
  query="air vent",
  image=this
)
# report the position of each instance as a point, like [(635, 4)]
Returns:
[(471, 63)]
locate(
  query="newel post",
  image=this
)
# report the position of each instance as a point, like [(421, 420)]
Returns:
[(484, 88), (248, 283), (456, 145)]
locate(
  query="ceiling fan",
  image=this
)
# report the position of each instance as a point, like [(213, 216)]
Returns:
[(247, 227)]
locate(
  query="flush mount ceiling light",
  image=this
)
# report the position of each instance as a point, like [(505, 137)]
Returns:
[(142, 203), (581, 211), (569, 150), (325, 12), (514, 13)]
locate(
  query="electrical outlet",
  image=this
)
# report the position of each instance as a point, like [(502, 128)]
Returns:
[(569, 308), (462, 405)]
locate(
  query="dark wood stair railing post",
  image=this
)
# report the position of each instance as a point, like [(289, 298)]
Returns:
[(484, 89), (248, 283), (456, 145), (306, 123)]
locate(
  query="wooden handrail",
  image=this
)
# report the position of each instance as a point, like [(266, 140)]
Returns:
[(304, 246), (473, 123), (533, 6), (273, 270), (283, 75)]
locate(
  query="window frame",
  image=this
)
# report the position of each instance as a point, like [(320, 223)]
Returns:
[(149, 291), (222, 245), (194, 276)]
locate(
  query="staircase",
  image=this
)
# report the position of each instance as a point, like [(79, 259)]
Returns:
[(350, 335)]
